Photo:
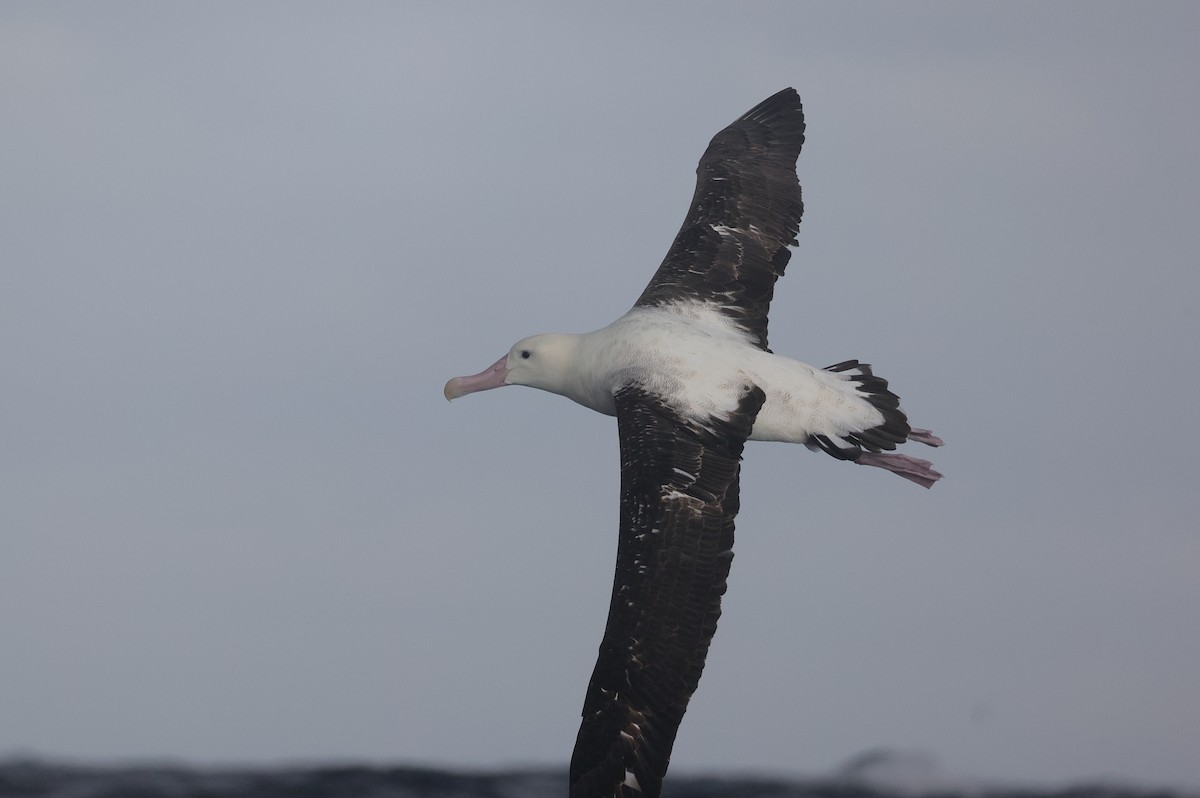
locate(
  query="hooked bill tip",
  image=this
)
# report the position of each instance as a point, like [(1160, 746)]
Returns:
[(491, 377)]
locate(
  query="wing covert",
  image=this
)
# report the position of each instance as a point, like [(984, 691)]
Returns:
[(679, 496)]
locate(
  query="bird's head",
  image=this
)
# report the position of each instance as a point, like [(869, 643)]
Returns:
[(539, 361)]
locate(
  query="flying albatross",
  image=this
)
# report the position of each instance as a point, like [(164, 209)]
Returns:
[(688, 375)]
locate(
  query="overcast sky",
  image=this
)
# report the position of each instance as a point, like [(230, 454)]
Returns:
[(242, 246)]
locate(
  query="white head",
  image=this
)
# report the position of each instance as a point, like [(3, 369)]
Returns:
[(539, 361)]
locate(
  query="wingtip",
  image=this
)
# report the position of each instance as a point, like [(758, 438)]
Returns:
[(785, 99)]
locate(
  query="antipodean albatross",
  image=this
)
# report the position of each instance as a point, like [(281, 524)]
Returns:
[(688, 375)]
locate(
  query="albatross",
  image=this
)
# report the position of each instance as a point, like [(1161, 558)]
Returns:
[(688, 375)]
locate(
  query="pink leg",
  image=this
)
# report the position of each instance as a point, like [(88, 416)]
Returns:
[(911, 468), (924, 436)]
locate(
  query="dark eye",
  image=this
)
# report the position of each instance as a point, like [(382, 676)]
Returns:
[(524, 354)]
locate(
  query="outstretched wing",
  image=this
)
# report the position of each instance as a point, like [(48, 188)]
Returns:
[(733, 245), (679, 496)]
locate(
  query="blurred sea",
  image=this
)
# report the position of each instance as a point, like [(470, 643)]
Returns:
[(30, 778)]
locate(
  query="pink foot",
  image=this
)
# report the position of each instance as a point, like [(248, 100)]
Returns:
[(911, 468), (924, 436)]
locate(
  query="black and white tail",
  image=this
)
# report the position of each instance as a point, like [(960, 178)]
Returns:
[(874, 446)]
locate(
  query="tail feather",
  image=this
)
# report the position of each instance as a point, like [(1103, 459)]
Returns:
[(895, 428), (875, 446)]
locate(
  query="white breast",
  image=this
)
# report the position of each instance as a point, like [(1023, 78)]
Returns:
[(686, 353)]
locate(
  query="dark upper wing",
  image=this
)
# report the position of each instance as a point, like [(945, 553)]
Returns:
[(733, 245), (679, 495)]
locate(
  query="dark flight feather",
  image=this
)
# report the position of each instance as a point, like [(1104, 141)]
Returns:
[(746, 211), (679, 496)]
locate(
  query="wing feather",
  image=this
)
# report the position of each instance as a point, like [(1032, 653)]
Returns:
[(746, 211), (679, 496)]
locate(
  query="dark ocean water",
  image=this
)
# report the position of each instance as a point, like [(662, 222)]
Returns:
[(38, 779)]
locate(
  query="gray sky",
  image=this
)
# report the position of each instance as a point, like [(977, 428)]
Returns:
[(243, 246)]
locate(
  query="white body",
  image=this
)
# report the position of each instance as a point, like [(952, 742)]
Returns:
[(692, 356)]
